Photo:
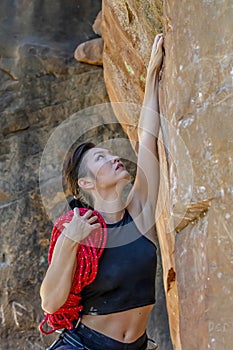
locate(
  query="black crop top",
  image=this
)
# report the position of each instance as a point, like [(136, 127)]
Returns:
[(126, 273)]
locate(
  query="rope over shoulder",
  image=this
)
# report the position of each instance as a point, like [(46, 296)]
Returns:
[(89, 251)]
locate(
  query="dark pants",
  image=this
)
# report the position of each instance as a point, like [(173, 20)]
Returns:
[(94, 340)]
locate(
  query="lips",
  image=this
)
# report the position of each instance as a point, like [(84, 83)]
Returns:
[(119, 165)]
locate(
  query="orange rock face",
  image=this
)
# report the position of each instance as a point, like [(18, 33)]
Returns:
[(195, 200), (128, 30), (97, 25), (197, 98)]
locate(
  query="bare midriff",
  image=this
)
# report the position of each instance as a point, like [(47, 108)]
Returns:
[(125, 326)]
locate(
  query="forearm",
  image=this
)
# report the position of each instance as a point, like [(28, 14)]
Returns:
[(57, 283), (149, 122)]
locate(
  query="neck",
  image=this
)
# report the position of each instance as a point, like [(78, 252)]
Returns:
[(110, 206)]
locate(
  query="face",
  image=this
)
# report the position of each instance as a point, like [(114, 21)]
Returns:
[(107, 169)]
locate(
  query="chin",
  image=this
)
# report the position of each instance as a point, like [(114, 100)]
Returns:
[(125, 176)]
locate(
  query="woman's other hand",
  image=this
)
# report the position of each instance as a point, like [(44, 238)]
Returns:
[(80, 226)]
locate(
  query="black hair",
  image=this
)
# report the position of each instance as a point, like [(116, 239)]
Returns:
[(73, 171)]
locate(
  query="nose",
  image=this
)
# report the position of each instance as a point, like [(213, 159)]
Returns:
[(115, 159)]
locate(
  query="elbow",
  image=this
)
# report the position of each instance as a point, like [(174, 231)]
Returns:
[(49, 302), (49, 306)]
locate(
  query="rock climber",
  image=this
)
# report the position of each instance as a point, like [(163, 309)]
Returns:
[(100, 284)]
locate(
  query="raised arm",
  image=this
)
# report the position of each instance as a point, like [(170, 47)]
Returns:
[(146, 185)]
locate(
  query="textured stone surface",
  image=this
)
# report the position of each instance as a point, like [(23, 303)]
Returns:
[(128, 30), (197, 99), (97, 25), (49, 23), (90, 52)]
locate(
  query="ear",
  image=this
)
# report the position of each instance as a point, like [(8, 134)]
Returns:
[(86, 183)]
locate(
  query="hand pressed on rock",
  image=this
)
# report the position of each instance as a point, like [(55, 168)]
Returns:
[(156, 58), (80, 226)]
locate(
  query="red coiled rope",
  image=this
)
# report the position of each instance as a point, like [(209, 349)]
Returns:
[(89, 251)]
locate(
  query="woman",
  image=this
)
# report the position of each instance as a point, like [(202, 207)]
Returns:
[(116, 305)]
